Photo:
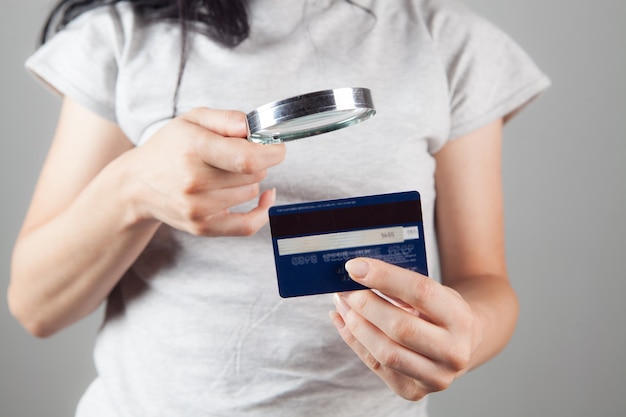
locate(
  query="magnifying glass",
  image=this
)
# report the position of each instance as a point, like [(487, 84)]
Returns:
[(309, 115)]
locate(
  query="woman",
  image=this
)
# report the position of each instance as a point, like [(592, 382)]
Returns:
[(157, 213)]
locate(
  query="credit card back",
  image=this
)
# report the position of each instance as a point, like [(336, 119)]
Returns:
[(312, 241)]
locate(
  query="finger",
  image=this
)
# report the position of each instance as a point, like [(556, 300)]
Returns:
[(204, 178), (403, 385), (237, 156), (407, 373), (442, 305), (204, 204), (227, 223), (401, 326), (199, 214), (228, 123)]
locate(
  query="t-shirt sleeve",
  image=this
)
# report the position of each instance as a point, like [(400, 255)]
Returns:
[(489, 75), (81, 61)]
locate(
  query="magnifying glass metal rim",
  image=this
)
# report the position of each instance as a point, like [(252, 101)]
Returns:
[(330, 109)]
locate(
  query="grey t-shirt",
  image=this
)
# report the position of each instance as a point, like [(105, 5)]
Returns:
[(196, 327)]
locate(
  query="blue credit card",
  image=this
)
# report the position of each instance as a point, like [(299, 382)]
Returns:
[(312, 241)]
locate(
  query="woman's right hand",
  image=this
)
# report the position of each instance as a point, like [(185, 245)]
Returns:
[(99, 200), (198, 166)]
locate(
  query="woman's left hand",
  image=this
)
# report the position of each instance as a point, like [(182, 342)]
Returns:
[(418, 340)]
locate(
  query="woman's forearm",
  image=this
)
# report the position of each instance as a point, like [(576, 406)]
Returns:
[(99, 201), (64, 268)]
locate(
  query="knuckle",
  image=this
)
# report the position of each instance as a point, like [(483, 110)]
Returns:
[(413, 396), (457, 358), (359, 300), (424, 289), (247, 227), (190, 184), (201, 226), (188, 210), (247, 163), (390, 359), (185, 169), (404, 331), (198, 224), (260, 175), (371, 362), (440, 383), (439, 380), (198, 229), (412, 392)]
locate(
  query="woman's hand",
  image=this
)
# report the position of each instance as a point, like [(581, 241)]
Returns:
[(196, 167), (418, 340), (106, 199), (431, 333)]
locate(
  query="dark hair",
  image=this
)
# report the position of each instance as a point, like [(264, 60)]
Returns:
[(225, 21)]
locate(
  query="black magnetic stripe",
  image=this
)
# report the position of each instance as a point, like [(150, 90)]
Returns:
[(346, 218)]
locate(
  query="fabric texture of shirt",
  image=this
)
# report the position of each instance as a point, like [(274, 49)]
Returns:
[(196, 327)]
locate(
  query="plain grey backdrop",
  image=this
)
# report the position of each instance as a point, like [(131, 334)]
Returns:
[(565, 196)]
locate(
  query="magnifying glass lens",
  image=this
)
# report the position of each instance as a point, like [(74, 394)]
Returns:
[(309, 115)]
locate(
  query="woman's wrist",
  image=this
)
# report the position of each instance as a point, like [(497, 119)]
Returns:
[(129, 192)]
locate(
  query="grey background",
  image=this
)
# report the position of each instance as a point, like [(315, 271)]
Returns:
[(564, 168)]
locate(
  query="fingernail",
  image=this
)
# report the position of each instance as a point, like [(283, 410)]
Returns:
[(357, 268), (340, 303), (337, 320)]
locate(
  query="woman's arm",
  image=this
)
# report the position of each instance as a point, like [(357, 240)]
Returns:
[(433, 333), (470, 232), (99, 200)]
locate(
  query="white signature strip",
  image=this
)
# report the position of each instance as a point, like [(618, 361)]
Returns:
[(344, 240)]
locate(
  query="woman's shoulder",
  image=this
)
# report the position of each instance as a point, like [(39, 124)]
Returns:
[(450, 18), (113, 23)]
